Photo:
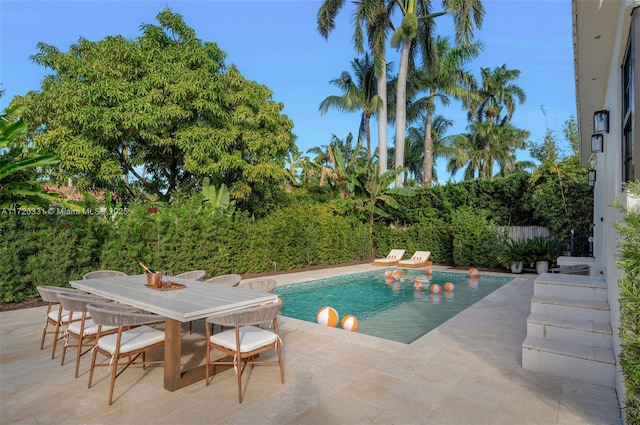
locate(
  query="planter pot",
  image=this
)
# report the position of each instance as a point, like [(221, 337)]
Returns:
[(542, 267), (516, 267)]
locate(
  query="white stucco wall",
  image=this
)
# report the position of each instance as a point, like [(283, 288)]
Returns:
[(608, 188)]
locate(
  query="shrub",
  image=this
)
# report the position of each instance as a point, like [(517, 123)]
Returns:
[(475, 240), (629, 283)]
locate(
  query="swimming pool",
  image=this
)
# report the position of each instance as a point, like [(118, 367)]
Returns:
[(387, 308)]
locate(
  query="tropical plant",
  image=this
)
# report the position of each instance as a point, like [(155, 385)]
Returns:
[(16, 159), (514, 252), (542, 248), (359, 94), (629, 284), (162, 111), (217, 199)]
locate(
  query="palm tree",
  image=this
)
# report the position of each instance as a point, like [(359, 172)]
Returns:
[(497, 93), (414, 151), (486, 143), (375, 15), (441, 76), (359, 95), (466, 13)]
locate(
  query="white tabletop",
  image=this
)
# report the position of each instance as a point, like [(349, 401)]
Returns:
[(197, 301)]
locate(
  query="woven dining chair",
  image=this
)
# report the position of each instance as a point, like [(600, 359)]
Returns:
[(192, 275), (81, 327), (262, 285), (245, 341), (225, 280), (99, 274), (132, 338), (55, 315)]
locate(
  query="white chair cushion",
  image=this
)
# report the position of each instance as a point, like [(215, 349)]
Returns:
[(53, 315), (90, 328), (386, 260), (251, 338), (133, 339)]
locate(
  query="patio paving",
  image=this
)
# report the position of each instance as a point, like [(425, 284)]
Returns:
[(466, 371)]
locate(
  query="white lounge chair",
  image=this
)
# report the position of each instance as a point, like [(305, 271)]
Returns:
[(391, 259), (418, 259)]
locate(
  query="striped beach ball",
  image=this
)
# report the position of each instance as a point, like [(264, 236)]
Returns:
[(428, 271), (397, 274), (435, 288), (417, 285), (327, 316), (349, 323), (449, 287), (473, 272), (388, 274)]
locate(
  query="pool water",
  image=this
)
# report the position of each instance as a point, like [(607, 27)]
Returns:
[(388, 308)]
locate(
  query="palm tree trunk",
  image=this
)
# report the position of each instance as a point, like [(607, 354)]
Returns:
[(427, 162), (367, 132), (401, 107), (382, 116), (373, 249)]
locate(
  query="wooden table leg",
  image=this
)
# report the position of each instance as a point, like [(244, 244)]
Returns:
[(172, 354)]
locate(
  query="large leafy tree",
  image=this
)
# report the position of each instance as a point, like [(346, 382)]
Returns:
[(359, 94), (162, 110)]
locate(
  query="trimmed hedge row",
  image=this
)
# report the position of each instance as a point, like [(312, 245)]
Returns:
[(52, 250)]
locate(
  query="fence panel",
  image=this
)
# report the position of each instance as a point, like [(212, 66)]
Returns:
[(527, 232)]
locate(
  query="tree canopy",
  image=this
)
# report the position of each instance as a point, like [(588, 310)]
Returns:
[(159, 112)]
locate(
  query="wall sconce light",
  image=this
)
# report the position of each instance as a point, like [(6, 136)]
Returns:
[(597, 142), (592, 177), (601, 121)]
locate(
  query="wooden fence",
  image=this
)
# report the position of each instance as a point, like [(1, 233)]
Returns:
[(527, 232)]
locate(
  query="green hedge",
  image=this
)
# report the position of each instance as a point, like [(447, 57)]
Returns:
[(46, 250), (453, 221), (52, 250)]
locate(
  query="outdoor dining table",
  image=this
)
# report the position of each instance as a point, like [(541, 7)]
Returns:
[(197, 300)]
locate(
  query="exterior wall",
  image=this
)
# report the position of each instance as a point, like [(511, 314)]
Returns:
[(608, 187)]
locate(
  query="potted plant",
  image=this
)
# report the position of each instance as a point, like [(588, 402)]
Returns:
[(514, 254), (542, 251)]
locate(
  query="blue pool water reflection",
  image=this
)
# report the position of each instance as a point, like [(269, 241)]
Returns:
[(386, 308)]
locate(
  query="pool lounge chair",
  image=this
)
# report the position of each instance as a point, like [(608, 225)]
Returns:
[(418, 259), (392, 259)]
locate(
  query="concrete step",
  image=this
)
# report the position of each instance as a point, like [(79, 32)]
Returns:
[(570, 286), (569, 359), (580, 331), (565, 308)]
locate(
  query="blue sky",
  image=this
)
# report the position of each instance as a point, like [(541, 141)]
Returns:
[(276, 44)]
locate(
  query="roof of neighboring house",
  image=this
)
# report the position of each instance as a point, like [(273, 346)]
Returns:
[(71, 193)]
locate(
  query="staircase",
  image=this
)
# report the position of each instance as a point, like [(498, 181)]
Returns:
[(568, 330)]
